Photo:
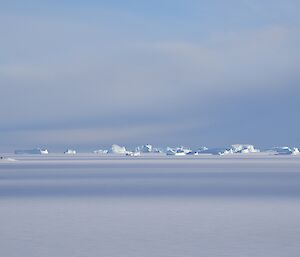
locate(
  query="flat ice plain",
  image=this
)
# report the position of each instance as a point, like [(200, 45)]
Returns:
[(146, 206)]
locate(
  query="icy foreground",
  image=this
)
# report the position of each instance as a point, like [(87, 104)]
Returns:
[(150, 206)]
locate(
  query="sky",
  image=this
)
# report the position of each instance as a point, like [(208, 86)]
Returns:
[(87, 74)]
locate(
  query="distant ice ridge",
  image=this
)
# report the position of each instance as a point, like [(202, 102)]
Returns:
[(32, 151), (70, 151)]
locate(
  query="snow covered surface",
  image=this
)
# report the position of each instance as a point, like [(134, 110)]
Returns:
[(153, 205)]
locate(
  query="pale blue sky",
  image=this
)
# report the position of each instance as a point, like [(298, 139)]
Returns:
[(87, 74)]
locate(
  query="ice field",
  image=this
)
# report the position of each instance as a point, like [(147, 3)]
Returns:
[(153, 205)]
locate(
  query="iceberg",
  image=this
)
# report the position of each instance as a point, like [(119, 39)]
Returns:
[(133, 153), (237, 148), (70, 151), (282, 150), (145, 148), (100, 151), (116, 149), (234, 149), (170, 151), (227, 152), (180, 151), (202, 149), (295, 151), (32, 151), (148, 149), (285, 150)]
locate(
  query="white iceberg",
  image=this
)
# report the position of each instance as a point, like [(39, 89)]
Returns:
[(32, 151), (70, 151), (116, 149), (238, 148)]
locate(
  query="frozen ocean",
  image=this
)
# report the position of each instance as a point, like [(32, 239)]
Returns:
[(150, 206)]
